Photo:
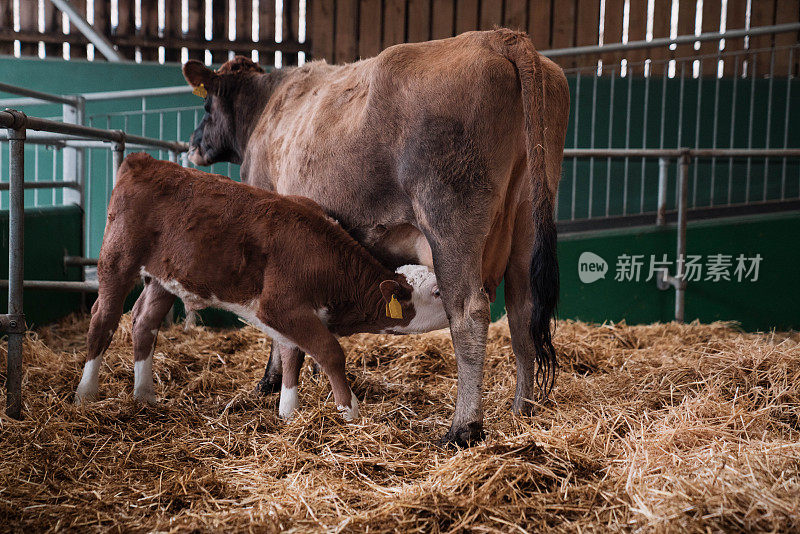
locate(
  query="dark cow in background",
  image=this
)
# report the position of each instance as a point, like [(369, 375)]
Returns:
[(446, 153)]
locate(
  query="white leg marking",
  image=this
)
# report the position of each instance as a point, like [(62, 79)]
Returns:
[(143, 389), (350, 414), (87, 388), (288, 402)]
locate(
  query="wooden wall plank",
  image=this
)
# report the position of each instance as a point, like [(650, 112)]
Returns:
[(369, 35), (539, 12), (612, 33), (710, 23), (442, 23), (786, 11), (516, 14), (7, 21), (219, 29), (735, 20), (467, 15), (491, 14), (149, 28), (587, 30), (394, 23), (244, 24), (762, 13), (346, 38), (126, 27), (291, 25), (662, 11), (266, 27), (687, 11), (419, 20), (637, 31), (172, 28), (322, 30), (52, 25), (28, 22), (195, 26)]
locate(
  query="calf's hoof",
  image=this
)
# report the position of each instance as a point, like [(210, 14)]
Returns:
[(84, 397), (464, 436), (350, 413)]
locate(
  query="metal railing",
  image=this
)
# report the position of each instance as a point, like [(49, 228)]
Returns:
[(18, 124)]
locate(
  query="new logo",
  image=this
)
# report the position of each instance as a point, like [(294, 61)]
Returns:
[(591, 267)]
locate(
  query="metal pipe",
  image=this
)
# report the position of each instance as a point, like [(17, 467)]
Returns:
[(102, 44), (15, 266), (35, 123), (683, 199), (137, 93), (56, 285), (666, 41), (663, 166), (678, 152), (79, 261), (5, 186), (38, 95)]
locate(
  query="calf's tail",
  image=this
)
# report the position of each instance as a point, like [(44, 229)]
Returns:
[(544, 277)]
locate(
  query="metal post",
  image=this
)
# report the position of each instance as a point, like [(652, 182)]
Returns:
[(15, 325), (683, 199), (118, 155), (663, 166)]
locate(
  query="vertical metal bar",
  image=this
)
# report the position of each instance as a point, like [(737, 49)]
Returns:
[(36, 174), (733, 125), (576, 125), (786, 120), (15, 261), (698, 112), (680, 115), (663, 167), (769, 120), (118, 155), (714, 134), (609, 144), (55, 173), (644, 140), (173, 156), (73, 157), (750, 127), (683, 198), (627, 140)]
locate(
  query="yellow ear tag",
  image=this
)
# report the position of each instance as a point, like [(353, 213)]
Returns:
[(394, 309), (200, 91)]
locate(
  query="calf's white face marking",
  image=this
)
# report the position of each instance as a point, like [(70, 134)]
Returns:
[(426, 299)]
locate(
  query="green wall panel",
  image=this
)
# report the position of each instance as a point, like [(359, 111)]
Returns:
[(50, 233)]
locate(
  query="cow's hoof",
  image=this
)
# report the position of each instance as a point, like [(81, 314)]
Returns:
[(465, 436), (268, 386), (146, 397), (524, 407)]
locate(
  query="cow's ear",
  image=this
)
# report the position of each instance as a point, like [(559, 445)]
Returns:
[(198, 74)]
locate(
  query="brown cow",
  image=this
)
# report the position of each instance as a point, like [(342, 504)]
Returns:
[(278, 262), (446, 153)]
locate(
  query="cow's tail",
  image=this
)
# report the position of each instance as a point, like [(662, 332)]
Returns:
[(518, 49)]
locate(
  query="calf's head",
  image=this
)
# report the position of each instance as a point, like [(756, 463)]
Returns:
[(234, 96), (418, 295)]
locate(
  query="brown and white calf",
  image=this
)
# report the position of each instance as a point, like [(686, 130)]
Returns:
[(278, 262)]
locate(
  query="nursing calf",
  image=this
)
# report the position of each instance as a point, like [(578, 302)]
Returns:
[(278, 262)]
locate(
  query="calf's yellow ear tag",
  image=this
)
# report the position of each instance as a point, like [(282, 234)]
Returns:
[(394, 309), (200, 91)]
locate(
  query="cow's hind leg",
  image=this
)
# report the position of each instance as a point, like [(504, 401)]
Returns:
[(106, 313), (519, 304), (152, 306), (292, 362)]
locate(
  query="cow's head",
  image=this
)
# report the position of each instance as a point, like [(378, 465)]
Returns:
[(419, 296), (228, 92)]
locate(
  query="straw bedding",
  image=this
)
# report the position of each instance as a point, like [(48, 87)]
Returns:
[(651, 428)]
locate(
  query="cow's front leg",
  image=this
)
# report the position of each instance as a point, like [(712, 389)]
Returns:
[(292, 362), (272, 379)]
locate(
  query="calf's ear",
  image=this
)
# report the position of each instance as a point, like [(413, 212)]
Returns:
[(390, 288), (198, 74)]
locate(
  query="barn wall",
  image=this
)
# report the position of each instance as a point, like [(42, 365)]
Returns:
[(769, 302)]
